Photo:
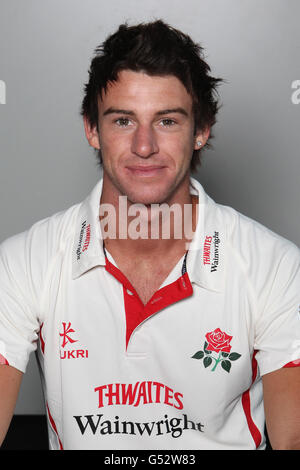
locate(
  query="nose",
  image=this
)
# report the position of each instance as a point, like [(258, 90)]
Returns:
[(144, 142)]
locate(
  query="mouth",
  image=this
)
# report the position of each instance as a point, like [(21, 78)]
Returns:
[(146, 170)]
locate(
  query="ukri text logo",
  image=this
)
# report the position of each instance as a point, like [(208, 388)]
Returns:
[(67, 339)]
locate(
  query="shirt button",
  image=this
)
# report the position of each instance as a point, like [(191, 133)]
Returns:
[(183, 283)]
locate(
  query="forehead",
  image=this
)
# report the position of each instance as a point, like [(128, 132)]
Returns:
[(138, 89)]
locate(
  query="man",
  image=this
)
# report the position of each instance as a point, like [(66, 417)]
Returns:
[(153, 342)]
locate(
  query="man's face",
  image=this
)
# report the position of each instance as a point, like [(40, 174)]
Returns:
[(146, 136)]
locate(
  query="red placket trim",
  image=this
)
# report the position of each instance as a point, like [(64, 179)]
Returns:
[(136, 312)]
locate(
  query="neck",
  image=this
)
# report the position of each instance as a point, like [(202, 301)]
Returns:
[(150, 229)]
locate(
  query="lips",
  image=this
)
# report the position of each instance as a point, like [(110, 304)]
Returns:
[(145, 170)]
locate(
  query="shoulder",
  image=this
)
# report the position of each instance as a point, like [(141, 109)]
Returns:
[(264, 257), (26, 257), (46, 235), (249, 238), (245, 238)]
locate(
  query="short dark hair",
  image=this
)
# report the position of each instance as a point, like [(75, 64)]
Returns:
[(158, 50)]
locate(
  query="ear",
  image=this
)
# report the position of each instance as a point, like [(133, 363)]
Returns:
[(201, 138), (91, 134)]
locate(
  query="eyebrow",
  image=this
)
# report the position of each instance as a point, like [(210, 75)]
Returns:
[(159, 113), (117, 111)]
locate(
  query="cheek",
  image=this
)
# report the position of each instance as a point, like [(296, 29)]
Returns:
[(111, 147), (116, 139), (181, 151)]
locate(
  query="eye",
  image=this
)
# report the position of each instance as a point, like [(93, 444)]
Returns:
[(122, 122), (167, 122)]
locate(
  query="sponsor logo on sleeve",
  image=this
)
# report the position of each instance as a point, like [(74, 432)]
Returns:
[(84, 239), (211, 251)]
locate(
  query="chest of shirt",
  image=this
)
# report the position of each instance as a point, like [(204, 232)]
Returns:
[(191, 359), (85, 329)]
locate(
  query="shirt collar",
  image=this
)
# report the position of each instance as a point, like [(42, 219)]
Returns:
[(87, 249), (206, 256)]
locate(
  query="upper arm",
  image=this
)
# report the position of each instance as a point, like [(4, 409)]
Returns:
[(23, 264), (10, 381), (277, 342), (19, 322), (282, 407), (277, 329)]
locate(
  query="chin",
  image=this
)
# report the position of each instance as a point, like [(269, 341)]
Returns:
[(149, 196), (145, 199), (150, 190)]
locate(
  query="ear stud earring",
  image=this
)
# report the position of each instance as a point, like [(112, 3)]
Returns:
[(199, 143)]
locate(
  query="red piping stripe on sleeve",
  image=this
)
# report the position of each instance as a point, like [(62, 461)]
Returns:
[(255, 433), (292, 364), (3, 361), (52, 422), (42, 339)]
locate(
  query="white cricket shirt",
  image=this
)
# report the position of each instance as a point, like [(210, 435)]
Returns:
[(182, 372)]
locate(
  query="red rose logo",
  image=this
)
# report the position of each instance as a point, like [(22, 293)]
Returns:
[(218, 341)]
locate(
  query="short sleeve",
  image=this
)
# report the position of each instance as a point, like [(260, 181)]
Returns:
[(277, 338), (19, 323)]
